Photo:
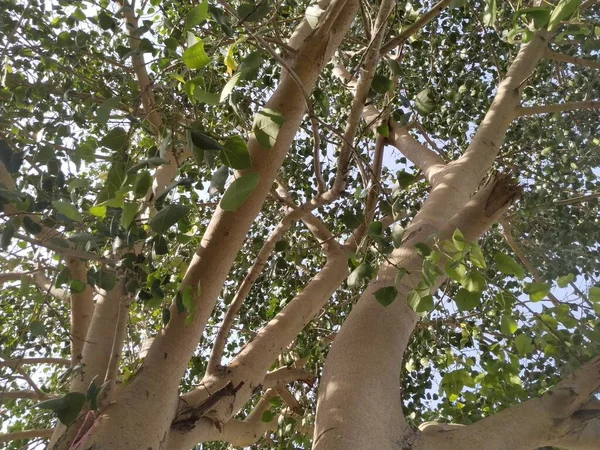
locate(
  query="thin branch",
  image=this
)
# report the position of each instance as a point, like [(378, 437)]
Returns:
[(139, 66), (420, 23), (560, 57), (26, 394), (507, 233), (286, 375), (64, 251), (13, 363), (13, 276), (27, 434), (559, 107), (361, 91), (580, 199), (421, 156)]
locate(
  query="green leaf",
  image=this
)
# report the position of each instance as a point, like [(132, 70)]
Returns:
[(430, 272), (454, 382), (66, 408), (509, 266), (399, 275), (267, 123), (143, 182), (267, 416), (386, 295), (239, 191), (375, 229), (228, 88), (204, 141), (31, 226), (107, 280), (423, 249), (98, 211), (525, 35), (115, 139), (405, 179), (219, 178), (467, 300), (195, 57), (562, 11), (77, 286), (197, 15), (473, 282), (383, 130), (7, 234), (523, 344), (459, 241), (489, 13), (167, 217), (130, 210), (536, 291), (235, 153), (67, 210), (161, 245), (508, 325), (477, 258), (424, 102), (564, 281), (397, 235), (250, 12), (381, 84), (187, 298), (103, 111), (364, 270), (539, 15), (594, 294)]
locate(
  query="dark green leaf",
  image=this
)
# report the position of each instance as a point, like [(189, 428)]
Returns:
[(197, 15), (239, 191), (466, 300), (235, 153), (250, 12), (167, 217), (106, 280), (386, 295), (364, 270), (115, 139), (67, 408), (67, 210), (381, 84)]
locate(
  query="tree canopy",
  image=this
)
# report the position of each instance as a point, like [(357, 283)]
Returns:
[(221, 181)]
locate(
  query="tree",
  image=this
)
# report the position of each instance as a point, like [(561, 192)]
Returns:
[(210, 208)]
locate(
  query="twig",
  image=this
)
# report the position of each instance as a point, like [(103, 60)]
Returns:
[(572, 60), (558, 107)]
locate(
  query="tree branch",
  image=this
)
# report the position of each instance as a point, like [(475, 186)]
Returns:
[(561, 417), (421, 156), (286, 375), (560, 57), (559, 107), (82, 309), (139, 66), (31, 395), (14, 363), (420, 23), (507, 233), (579, 199), (27, 434), (361, 92)]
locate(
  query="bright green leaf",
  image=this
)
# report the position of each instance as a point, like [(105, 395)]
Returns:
[(594, 294), (195, 57), (467, 300), (197, 15), (523, 344)]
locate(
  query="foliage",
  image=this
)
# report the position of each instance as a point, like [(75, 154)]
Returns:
[(81, 150)]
